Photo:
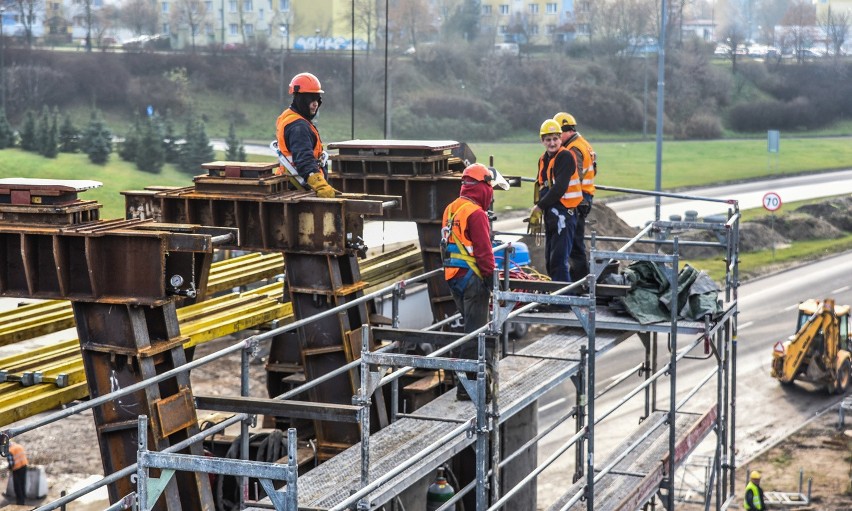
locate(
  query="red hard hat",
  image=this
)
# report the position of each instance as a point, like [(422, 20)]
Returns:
[(305, 82)]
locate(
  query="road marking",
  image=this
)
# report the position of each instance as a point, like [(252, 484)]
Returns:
[(791, 307), (745, 325), (550, 405), (840, 290)]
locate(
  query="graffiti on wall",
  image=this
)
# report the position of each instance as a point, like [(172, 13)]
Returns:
[(316, 43)]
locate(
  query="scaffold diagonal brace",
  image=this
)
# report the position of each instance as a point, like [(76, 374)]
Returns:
[(156, 485)]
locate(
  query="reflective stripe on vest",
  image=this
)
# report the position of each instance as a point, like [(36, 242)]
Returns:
[(286, 118), (455, 217), (588, 157), (754, 491), (19, 458), (574, 193)]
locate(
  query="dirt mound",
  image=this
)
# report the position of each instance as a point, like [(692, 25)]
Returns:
[(837, 212), (801, 226)]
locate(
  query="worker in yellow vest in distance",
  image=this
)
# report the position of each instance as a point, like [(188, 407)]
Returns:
[(753, 498), (587, 167), (17, 459), (298, 142), (468, 256)]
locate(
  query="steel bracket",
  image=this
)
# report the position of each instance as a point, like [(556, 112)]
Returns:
[(156, 485)]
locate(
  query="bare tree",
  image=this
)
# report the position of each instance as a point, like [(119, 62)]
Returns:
[(734, 35), (836, 28), (191, 14), (407, 20), (366, 18), (799, 27), (622, 25), (140, 16), (27, 10)]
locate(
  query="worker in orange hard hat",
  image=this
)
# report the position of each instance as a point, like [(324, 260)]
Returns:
[(559, 194), (300, 150), (468, 256), (753, 498), (587, 167), (17, 459)]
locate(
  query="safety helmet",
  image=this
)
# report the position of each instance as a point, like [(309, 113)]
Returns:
[(550, 127), (479, 172), (565, 120), (754, 475), (305, 82)]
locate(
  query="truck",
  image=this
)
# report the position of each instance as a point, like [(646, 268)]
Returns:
[(819, 351)]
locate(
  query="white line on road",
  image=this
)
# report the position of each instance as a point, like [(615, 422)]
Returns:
[(840, 290), (745, 325), (552, 404)]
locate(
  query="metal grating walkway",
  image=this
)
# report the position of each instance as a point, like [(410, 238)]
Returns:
[(523, 379)]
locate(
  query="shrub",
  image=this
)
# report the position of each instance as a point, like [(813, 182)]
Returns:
[(97, 140), (150, 155), (29, 140), (7, 134), (605, 108), (69, 137), (766, 115), (701, 126)]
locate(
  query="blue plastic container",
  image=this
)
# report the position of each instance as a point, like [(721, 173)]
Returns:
[(521, 256)]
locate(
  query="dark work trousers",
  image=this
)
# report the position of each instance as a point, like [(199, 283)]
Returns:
[(559, 226), (19, 480), (472, 299), (579, 260)]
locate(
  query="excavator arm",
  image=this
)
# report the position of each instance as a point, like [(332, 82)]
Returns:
[(816, 339)]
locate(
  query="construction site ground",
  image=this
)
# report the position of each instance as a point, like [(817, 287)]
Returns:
[(69, 450)]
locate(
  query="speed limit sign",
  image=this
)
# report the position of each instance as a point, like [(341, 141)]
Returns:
[(772, 201)]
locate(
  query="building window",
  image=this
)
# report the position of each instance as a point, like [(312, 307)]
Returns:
[(208, 6), (208, 28), (249, 29), (284, 5), (551, 29), (98, 3), (232, 6), (234, 29), (486, 10), (503, 29), (534, 29), (552, 8), (504, 9), (260, 14), (166, 28), (533, 8), (165, 7), (247, 6)]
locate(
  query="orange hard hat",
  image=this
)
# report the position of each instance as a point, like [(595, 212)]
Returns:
[(305, 82), (478, 172)]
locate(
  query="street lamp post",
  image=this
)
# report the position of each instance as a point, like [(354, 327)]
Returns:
[(2, 62), (285, 33), (317, 41)]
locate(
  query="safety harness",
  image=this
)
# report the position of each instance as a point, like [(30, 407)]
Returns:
[(453, 251), (295, 179)]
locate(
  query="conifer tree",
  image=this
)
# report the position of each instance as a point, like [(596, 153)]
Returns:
[(98, 140), (7, 134), (150, 155), (128, 150), (50, 144), (170, 147), (235, 150), (197, 149), (69, 136), (42, 129), (28, 132)]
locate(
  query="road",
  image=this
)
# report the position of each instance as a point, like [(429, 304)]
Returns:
[(766, 412)]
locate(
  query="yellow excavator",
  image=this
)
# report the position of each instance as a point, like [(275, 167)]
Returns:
[(819, 351)]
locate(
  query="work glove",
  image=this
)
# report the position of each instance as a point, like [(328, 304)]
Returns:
[(318, 183), (584, 208), (535, 226)]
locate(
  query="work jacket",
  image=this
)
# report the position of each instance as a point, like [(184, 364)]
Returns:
[(288, 117), (573, 194), (586, 158), (17, 456), (456, 220), (755, 500)]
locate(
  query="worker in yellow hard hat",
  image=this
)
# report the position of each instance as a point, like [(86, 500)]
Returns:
[(559, 195), (753, 498), (300, 151), (587, 167)]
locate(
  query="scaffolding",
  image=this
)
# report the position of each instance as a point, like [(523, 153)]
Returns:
[(382, 465)]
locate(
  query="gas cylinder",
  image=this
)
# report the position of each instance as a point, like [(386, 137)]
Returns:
[(439, 492)]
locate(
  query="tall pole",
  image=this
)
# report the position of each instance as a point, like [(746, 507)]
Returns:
[(387, 98), (661, 85), (352, 87), (222, 23), (281, 70), (2, 63)]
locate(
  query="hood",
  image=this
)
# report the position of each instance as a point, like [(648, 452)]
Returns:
[(302, 104), (479, 192)]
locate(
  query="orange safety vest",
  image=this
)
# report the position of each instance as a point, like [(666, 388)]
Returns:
[(286, 118), (458, 212), (573, 194), (19, 458), (586, 161)]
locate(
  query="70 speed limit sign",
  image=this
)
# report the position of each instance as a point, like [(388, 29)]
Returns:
[(772, 201)]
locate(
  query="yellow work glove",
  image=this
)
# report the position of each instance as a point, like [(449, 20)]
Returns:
[(534, 226), (318, 183)]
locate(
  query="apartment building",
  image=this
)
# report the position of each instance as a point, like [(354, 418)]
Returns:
[(529, 22)]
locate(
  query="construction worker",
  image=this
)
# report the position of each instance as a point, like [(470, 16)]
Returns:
[(468, 256), (587, 167), (753, 498), (559, 196), (298, 142), (17, 459)]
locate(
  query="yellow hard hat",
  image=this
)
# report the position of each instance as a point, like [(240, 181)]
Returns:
[(565, 120), (754, 475), (549, 127)]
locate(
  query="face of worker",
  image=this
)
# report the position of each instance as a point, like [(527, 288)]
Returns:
[(551, 142), (314, 105)]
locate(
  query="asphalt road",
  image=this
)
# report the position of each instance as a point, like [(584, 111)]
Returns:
[(766, 412)]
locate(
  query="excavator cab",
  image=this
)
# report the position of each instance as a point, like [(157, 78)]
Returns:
[(819, 350)]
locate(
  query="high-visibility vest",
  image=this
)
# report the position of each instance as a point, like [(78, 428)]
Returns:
[(573, 194), (586, 161), (455, 224), (756, 492), (286, 118), (19, 458)]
